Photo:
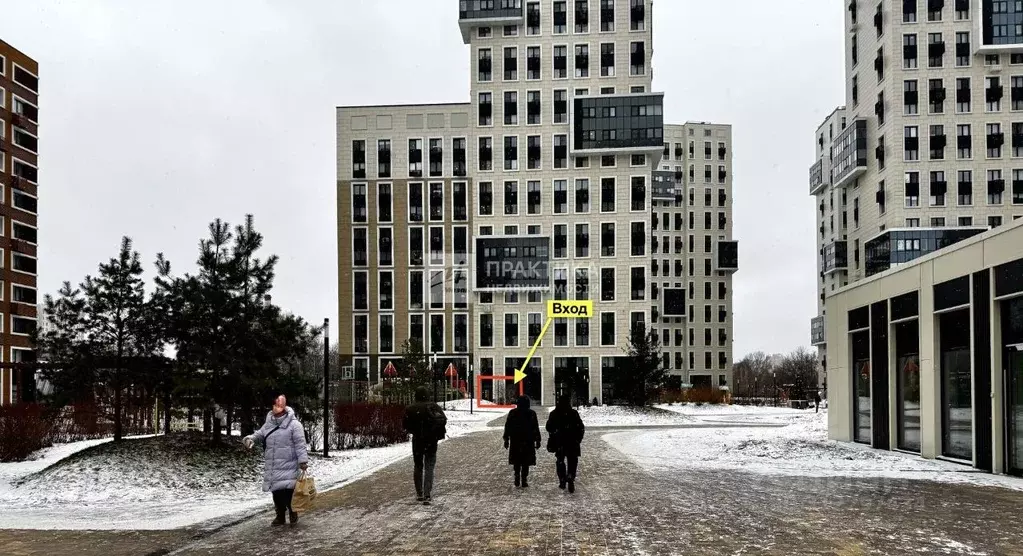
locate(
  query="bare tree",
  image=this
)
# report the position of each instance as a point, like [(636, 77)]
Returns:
[(752, 376), (797, 374)]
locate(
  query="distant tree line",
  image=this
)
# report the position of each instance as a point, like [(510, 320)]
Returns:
[(197, 343), (759, 375)]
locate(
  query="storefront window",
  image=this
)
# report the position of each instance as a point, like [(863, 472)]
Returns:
[(861, 368), (956, 385), (907, 353), (1012, 336)]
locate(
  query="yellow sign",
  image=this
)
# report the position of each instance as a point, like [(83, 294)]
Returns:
[(569, 309)]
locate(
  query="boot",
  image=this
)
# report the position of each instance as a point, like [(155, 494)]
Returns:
[(517, 479), (571, 484), (279, 520), (293, 517), (525, 480)]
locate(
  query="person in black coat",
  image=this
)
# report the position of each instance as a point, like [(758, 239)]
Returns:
[(566, 437), (426, 422), (522, 439)]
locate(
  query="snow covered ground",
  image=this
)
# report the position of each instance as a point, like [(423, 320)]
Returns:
[(150, 485), (800, 448), (738, 413), (619, 416)]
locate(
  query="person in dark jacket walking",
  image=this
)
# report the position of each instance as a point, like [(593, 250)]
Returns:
[(426, 422), (522, 440), (817, 401), (566, 437)]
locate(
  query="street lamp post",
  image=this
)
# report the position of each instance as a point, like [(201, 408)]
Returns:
[(326, 387)]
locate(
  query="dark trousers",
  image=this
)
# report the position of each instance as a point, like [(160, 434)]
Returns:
[(282, 500), (522, 471), (424, 459), (567, 473)]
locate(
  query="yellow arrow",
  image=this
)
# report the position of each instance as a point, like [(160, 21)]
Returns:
[(520, 373)]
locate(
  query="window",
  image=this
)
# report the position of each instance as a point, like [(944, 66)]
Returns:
[(638, 236), (995, 140), (637, 160), (486, 109), (511, 330), (458, 163), (28, 203), (909, 51), (938, 188), (912, 189), (607, 239), (965, 221), (511, 108), (415, 158), (937, 142), (582, 240), (963, 96), (560, 152), (607, 328), (533, 18), (436, 245), (964, 141), (560, 63), (582, 16), (384, 158), (485, 32), (912, 143), (511, 30), (582, 195), (1017, 189), (607, 59), (963, 53), (936, 94), (386, 292), (511, 197), (533, 327), (582, 332), (415, 242), (560, 106), (511, 153), (360, 247), (533, 198), (533, 63), (962, 9), (964, 188), (935, 50), (360, 291), (384, 248), (485, 65), (533, 110), (486, 330), (358, 159), (582, 60), (436, 201), (460, 200), (638, 283), (993, 94), (994, 221), (637, 58), (511, 63), (607, 195), (910, 97), (638, 193), (486, 198), (560, 196), (995, 187), (359, 212), (560, 17), (913, 223), (436, 157), (879, 64), (934, 10), (607, 16), (560, 241)]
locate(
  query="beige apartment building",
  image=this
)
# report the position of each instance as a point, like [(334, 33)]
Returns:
[(543, 186), (931, 148)]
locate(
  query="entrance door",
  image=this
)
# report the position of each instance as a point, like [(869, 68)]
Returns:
[(1014, 385)]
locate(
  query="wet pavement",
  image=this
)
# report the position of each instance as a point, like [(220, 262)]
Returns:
[(620, 508)]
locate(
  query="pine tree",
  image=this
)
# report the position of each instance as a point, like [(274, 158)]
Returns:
[(643, 372)]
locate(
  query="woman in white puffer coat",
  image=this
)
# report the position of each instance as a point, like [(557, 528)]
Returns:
[(284, 454)]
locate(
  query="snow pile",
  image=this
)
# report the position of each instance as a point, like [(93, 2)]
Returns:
[(622, 416), (800, 449)]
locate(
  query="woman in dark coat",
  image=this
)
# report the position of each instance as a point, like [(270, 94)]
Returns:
[(566, 436), (522, 439)]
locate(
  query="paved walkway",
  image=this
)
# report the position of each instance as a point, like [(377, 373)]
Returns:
[(620, 509)]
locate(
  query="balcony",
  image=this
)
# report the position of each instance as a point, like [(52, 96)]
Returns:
[(836, 257), (480, 13), (818, 334), (663, 186), (849, 153), (817, 177), (728, 256), (612, 124), (998, 31)]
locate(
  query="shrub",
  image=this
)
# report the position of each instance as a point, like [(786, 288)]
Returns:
[(367, 425), (24, 428), (705, 395)]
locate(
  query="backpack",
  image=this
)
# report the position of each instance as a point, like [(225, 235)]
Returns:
[(438, 421)]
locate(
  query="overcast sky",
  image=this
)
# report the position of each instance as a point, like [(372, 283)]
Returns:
[(159, 116)]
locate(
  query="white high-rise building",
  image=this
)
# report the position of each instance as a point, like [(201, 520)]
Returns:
[(928, 149), (557, 180)]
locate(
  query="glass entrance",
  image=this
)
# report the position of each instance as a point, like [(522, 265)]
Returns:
[(1014, 385), (861, 393), (956, 385)]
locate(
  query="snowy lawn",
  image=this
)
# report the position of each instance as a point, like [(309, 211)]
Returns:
[(168, 482), (622, 416), (799, 449), (738, 413)]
